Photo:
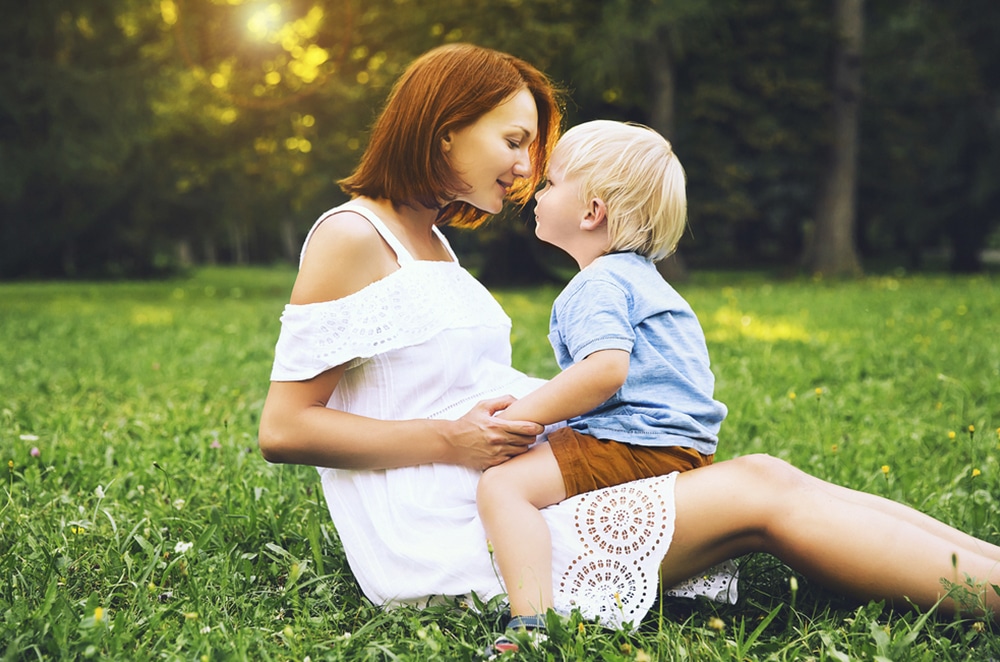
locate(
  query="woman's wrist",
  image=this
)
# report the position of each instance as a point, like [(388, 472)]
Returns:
[(443, 448)]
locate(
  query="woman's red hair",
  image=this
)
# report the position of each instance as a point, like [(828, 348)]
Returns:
[(446, 89)]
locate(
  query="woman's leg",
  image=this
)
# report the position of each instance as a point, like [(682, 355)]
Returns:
[(903, 512), (509, 498), (857, 546)]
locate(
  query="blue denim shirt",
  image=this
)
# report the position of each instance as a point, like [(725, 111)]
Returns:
[(620, 301)]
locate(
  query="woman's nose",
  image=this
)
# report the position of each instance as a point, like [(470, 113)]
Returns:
[(522, 168)]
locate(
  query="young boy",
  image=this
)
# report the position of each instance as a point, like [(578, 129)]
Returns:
[(635, 388)]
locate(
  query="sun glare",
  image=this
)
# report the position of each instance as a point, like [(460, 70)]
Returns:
[(265, 21)]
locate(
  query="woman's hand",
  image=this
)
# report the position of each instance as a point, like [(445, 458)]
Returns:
[(481, 440)]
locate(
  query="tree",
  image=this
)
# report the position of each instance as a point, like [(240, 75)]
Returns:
[(930, 160), (662, 116), (129, 129), (832, 248), (75, 129), (748, 95), (629, 67)]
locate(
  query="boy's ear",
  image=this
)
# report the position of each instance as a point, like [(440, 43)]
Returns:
[(597, 215)]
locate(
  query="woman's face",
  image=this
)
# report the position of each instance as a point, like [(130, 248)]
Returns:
[(489, 154)]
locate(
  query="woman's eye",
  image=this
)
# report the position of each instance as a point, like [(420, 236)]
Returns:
[(514, 144)]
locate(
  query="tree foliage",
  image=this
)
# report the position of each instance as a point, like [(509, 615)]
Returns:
[(136, 137)]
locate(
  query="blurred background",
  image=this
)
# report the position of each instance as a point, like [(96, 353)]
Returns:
[(141, 138)]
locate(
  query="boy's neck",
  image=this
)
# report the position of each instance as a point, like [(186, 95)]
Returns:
[(585, 252)]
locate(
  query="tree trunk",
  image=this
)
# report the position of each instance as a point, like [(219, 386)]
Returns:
[(185, 256), (239, 244), (290, 241), (968, 236), (662, 118), (832, 251)]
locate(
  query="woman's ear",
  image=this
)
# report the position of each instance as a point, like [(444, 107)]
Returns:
[(597, 215), (446, 142)]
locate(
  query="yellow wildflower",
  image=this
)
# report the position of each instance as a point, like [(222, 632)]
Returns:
[(976, 472), (819, 391), (98, 613), (791, 395), (717, 624), (951, 434), (885, 469), (972, 428)]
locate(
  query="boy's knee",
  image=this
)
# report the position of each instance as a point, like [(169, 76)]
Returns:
[(493, 486)]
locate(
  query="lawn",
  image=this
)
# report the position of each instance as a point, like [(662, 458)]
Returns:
[(138, 520)]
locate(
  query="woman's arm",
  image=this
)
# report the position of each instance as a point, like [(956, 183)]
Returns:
[(574, 391), (346, 254), (296, 427)]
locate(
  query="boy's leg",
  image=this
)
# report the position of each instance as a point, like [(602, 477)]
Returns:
[(509, 498), (589, 464)]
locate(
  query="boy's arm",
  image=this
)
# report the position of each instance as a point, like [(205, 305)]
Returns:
[(574, 391)]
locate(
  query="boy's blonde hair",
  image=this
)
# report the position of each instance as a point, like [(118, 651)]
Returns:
[(634, 170)]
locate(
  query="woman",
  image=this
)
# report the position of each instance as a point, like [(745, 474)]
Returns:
[(387, 346)]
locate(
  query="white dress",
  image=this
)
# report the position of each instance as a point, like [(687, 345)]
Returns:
[(429, 341)]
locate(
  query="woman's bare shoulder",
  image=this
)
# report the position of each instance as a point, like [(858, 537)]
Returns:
[(344, 255)]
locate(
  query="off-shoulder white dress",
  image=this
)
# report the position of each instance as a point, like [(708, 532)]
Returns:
[(429, 341)]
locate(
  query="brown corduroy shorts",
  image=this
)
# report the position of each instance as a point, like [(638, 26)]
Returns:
[(588, 463)]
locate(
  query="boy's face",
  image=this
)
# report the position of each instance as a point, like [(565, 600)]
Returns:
[(560, 209)]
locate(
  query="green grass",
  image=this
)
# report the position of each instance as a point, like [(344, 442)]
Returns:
[(148, 526)]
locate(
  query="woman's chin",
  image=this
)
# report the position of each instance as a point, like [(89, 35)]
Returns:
[(485, 206), (492, 207)]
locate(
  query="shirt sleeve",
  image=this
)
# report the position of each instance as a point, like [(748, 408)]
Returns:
[(593, 317)]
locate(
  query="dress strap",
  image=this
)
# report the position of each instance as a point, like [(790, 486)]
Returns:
[(444, 240), (402, 255)]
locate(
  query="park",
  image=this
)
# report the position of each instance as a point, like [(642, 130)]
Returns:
[(162, 165)]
